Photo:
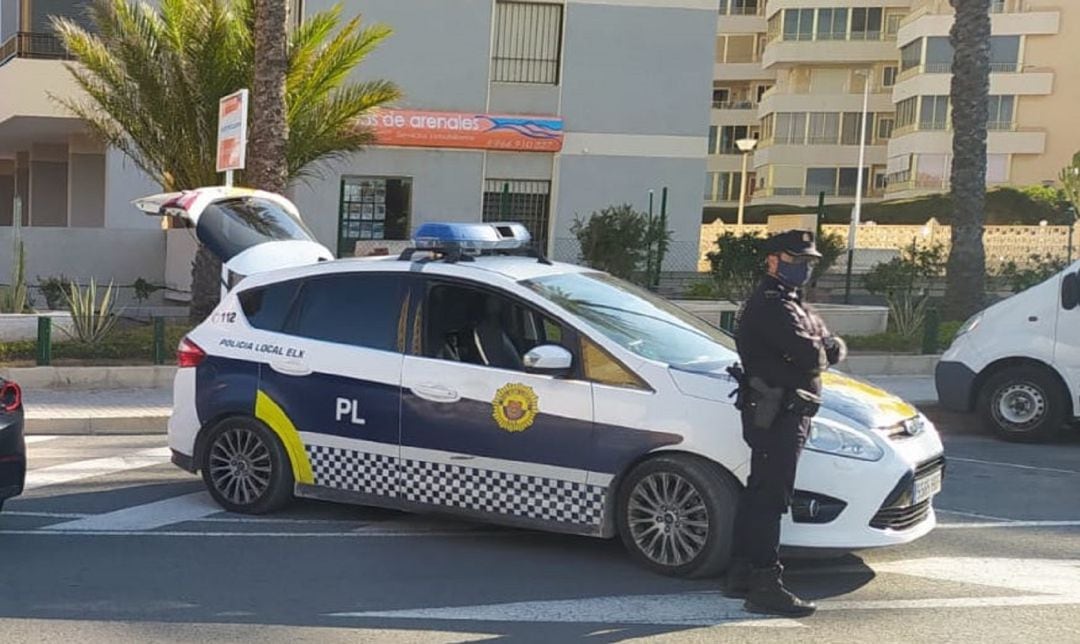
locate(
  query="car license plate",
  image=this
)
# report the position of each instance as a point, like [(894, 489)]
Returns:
[(927, 486)]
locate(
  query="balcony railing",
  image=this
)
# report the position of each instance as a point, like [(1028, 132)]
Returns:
[(734, 105), (25, 44), (938, 126)]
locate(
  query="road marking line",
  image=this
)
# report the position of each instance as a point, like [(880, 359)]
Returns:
[(305, 535), (30, 440), (46, 515), (1009, 524), (973, 515), (949, 602), (178, 509), (1014, 465), (78, 470)]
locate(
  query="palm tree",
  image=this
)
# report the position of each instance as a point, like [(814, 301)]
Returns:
[(966, 269), (269, 128), (152, 80)]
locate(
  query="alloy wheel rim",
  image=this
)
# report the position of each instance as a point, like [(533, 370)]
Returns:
[(1020, 404), (669, 522), (240, 466)]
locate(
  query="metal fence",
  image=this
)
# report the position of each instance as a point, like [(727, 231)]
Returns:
[(528, 39), (25, 44)]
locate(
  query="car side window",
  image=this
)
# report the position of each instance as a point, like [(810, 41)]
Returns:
[(358, 309), (267, 307), (476, 326), (600, 367)]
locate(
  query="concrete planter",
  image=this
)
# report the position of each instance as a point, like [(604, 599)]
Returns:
[(23, 326), (843, 320)]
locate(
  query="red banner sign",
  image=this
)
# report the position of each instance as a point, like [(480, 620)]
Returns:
[(466, 130)]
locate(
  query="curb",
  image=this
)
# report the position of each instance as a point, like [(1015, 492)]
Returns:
[(119, 425), (76, 378)]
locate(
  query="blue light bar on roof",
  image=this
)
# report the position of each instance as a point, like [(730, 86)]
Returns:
[(471, 236)]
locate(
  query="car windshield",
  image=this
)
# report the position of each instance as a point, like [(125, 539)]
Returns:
[(638, 320), (230, 226)]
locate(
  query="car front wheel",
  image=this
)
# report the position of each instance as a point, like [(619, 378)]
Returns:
[(1024, 404), (676, 516), (245, 467)]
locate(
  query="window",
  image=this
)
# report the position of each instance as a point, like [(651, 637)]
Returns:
[(798, 24), (729, 134), (824, 128), (739, 7), (714, 135), (932, 170), (884, 128), (892, 23), (358, 309), (710, 185), (373, 208), (740, 49), (600, 367), (1001, 113), (866, 24), (934, 113), (481, 327), (761, 89), (790, 128), (1004, 53), (526, 202), (906, 111), (267, 307), (721, 95), (820, 180), (881, 180), (231, 226), (888, 76), (910, 55), (832, 24), (849, 135), (528, 39), (849, 178), (939, 55), (637, 320), (772, 28)]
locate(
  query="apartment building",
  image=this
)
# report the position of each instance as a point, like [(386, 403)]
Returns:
[(618, 87), (794, 74)]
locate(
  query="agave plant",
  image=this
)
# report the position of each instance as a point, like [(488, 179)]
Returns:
[(91, 321)]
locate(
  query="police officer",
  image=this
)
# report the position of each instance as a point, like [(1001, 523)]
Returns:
[(783, 349)]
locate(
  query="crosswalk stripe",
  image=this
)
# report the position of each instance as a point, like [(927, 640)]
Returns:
[(31, 440), (148, 516), (78, 470)]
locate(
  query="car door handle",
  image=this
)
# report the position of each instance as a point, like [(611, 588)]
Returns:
[(291, 367), (436, 393)]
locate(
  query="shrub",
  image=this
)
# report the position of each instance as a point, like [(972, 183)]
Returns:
[(1040, 269), (144, 289), (54, 288), (618, 240), (899, 281), (91, 322), (737, 264)]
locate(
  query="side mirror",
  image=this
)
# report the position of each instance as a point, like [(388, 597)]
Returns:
[(1070, 291), (548, 359)]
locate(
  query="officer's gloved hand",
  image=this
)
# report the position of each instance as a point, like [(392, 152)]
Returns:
[(835, 349)]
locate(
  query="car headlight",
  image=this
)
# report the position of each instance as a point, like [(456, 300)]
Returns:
[(841, 441), (969, 325)]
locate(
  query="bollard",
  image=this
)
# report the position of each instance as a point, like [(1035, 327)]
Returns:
[(44, 341), (727, 321), (159, 340), (931, 329)]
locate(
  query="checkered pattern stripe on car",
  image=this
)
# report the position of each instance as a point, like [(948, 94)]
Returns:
[(345, 469), (456, 486), (518, 495)]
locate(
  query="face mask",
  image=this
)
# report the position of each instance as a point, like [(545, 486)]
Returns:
[(794, 275)]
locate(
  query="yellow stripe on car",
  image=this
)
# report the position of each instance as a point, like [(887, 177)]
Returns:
[(884, 401), (274, 416)]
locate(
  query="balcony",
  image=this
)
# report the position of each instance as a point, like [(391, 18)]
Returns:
[(39, 46), (1008, 80), (1009, 18), (809, 152), (782, 53), (1002, 138), (786, 101)]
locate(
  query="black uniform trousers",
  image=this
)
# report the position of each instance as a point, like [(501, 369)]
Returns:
[(768, 493)]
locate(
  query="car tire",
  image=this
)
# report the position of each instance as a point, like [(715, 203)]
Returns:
[(688, 539), (245, 467), (1024, 404)]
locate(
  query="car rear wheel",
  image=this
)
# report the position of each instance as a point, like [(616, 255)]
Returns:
[(676, 516), (245, 467), (1024, 404)]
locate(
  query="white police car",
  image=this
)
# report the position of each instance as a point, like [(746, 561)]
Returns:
[(466, 378)]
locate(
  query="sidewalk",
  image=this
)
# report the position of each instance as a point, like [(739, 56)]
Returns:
[(146, 411)]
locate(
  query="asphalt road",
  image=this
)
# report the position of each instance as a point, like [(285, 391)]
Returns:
[(113, 544)]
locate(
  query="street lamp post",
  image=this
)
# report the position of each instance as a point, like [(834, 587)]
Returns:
[(856, 212), (746, 146)]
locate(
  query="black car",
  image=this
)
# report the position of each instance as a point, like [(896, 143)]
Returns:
[(12, 444)]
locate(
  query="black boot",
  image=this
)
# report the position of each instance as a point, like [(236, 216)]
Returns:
[(768, 595), (737, 580)]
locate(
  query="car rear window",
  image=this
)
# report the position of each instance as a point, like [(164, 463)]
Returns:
[(359, 309), (267, 307)]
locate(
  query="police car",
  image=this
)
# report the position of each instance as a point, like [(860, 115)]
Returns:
[(468, 377)]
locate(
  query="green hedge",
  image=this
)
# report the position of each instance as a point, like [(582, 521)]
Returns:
[(1003, 206), (895, 343), (134, 344)]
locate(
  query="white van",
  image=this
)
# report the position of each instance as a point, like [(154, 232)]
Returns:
[(1018, 362)]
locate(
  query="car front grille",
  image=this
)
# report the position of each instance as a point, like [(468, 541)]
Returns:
[(900, 518), (928, 467)]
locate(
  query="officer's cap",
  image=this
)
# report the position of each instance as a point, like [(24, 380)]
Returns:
[(797, 243)]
